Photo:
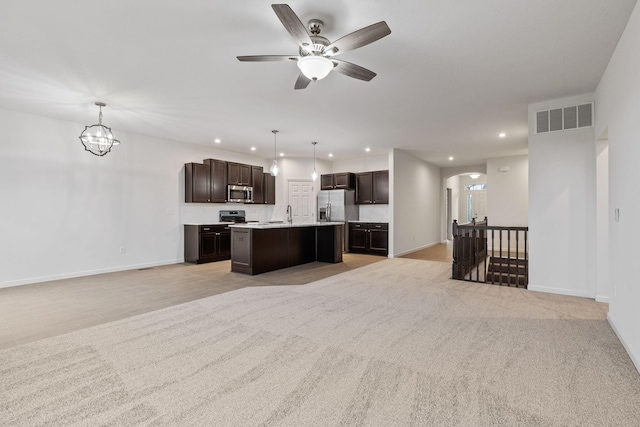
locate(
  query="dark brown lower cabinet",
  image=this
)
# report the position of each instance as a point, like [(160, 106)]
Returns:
[(259, 250), (369, 238), (207, 243), (329, 243)]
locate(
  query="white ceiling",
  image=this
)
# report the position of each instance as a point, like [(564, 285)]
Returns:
[(451, 75)]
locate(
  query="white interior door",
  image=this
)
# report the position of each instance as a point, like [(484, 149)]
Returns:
[(302, 198), (480, 205), (476, 204)]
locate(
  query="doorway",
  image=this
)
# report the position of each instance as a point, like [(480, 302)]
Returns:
[(476, 197), (302, 199)]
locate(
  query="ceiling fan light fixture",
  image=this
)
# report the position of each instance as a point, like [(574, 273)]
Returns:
[(315, 67)]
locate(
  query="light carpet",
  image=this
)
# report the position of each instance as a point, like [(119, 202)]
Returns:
[(395, 343)]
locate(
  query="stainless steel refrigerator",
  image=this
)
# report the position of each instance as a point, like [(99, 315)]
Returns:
[(338, 206)]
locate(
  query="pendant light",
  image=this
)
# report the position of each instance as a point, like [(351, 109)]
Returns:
[(274, 170), (98, 139), (314, 174)]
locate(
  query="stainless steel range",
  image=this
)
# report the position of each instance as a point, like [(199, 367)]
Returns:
[(236, 216)]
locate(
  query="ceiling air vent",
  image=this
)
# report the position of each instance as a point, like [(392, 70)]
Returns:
[(566, 118)]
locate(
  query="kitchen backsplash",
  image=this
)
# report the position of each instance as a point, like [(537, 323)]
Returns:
[(374, 213), (202, 213)]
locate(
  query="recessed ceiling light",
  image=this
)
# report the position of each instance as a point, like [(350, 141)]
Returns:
[(281, 154), (367, 149), (502, 134), (253, 148), (217, 141), (330, 154), (450, 158)]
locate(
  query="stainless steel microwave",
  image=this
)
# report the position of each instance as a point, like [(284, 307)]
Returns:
[(239, 194)]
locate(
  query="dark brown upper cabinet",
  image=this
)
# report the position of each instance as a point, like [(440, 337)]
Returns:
[(338, 181), (238, 174), (257, 182), (381, 187), (197, 183), (269, 187), (326, 182), (207, 182), (372, 187), (218, 180)]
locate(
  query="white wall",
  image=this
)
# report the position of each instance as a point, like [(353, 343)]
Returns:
[(415, 201), (66, 212), (618, 110), (453, 183), (297, 169), (562, 184), (363, 164), (508, 192), (603, 285), (508, 200)]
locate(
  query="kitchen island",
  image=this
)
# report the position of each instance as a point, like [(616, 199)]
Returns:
[(258, 247)]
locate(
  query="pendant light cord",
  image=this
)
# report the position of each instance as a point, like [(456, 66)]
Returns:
[(275, 150)]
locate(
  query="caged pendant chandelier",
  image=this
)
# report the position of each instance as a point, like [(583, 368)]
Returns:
[(274, 170), (98, 139), (314, 174)]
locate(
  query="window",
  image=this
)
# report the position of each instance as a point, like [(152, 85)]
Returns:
[(475, 187)]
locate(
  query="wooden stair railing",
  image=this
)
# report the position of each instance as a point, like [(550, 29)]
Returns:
[(508, 255)]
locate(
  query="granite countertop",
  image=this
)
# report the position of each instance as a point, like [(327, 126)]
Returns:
[(370, 222), (265, 225), (207, 223)]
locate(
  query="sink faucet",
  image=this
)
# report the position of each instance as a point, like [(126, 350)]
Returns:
[(289, 218)]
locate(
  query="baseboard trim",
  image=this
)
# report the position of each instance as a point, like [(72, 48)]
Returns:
[(413, 250), (40, 279), (602, 298), (634, 360), (561, 291)]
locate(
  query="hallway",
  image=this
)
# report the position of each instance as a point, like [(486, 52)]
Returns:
[(442, 252)]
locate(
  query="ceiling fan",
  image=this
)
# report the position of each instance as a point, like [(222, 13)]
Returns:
[(316, 53)]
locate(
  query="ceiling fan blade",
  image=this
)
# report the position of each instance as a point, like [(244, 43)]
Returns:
[(293, 25), (267, 58), (359, 38), (353, 70), (302, 82)]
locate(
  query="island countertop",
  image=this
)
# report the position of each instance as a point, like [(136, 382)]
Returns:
[(260, 247), (267, 225)]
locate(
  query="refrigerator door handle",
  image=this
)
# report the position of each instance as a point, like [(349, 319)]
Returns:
[(329, 212)]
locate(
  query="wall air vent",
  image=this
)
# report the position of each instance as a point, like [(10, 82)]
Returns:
[(566, 118)]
